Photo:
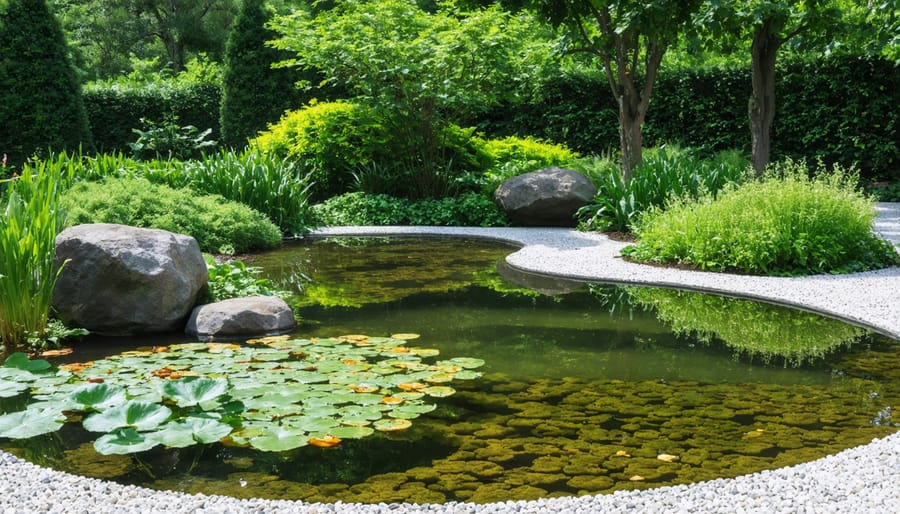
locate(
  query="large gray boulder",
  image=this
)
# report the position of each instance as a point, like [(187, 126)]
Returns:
[(239, 317), (547, 197), (121, 280)]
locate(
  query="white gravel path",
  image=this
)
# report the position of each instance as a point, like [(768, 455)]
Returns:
[(865, 479)]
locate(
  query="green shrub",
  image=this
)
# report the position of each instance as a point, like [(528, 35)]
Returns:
[(169, 140), (115, 109), (41, 106), (841, 109), (667, 173), (514, 155), (275, 186), (469, 209), (31, 220), (784, 224), (218, 225), (253, 93), (234, 279), (332, 139)]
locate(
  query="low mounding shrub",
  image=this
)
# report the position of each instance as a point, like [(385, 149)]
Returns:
[(514, 155), (783, 224), (667, 172), (332, 139), (469, 209), (218, 225), (275, 186)]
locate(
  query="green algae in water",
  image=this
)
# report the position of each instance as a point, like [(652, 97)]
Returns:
[(583, 392)]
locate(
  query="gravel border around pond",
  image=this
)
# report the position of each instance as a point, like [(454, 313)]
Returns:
[(865, 479)]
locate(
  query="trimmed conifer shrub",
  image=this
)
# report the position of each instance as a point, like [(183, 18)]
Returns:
[(40, 98), (253, 93)]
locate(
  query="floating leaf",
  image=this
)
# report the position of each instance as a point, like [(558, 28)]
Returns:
[(191, 391), (30, 422), (279, 439), (392, 425), (99, 396), (352, 432), (439, 391), (190, 431), (19, 360), (665, 457), (467, 362), (140, 415), (325, 442), (411, 411), (405, 337), (8, 389), (76, 367), (56, 353), (392, 400), (123, 441), (466, 374)]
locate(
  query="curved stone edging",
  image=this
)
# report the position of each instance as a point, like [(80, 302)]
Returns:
[(861, 479)]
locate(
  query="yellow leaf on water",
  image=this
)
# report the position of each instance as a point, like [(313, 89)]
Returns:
[(637, 478), (665, 457), (622, 453)]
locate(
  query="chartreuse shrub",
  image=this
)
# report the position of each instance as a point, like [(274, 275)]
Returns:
[(41, 105), (32, 218), (784, 224), (331, 139), (274, 394), (514, 155), (667, 173), (218, 225)]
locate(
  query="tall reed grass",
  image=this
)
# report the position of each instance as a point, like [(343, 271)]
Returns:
[(30, 223)]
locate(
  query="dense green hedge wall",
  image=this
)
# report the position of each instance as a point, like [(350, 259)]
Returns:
[(842, 109), (115, 110)]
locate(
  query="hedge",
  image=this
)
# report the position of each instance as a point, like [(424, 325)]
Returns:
[(115, 110), (842, 109)]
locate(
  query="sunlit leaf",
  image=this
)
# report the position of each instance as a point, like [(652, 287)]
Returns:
[(30, 422), (99, 396), (191, 391), (8, 389), (279, 439), (392, 425), (21, 361), (190, 431), (139, 415), (123, 441)]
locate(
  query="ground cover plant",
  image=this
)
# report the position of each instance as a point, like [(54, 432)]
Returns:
[(218, 225), (274, 394), (784, 224), (467, 210)]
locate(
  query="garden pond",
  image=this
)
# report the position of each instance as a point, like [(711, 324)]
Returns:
[(442, 375)]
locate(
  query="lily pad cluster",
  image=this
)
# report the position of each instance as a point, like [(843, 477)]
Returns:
[(272, 394)]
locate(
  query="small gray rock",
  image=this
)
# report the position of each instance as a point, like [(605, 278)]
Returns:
[(250, 316)]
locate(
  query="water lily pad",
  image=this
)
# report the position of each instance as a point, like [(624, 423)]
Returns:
[(190, 431), (326, 441), (279, 439), (466, 374), (99, 396), (139, 415), (8, 389), (30, 422), (21, 361), (123, 441), (467, 362), (411, 411), (392, 425), (405, 336), (352, 432), (439, 391), (191, 391)]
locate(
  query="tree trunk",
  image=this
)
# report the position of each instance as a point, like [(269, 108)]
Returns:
[(762, 100), (631, 118)]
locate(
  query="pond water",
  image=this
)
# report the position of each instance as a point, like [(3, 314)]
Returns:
[(585, 389)]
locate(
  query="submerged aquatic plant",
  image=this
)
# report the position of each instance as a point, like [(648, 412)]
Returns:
[(274, 394)]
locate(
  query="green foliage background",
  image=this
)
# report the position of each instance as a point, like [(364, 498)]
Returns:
[(40, 101), (253, 94)]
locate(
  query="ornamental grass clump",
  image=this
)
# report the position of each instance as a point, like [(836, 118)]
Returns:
[(783, 224), (31, 219)]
